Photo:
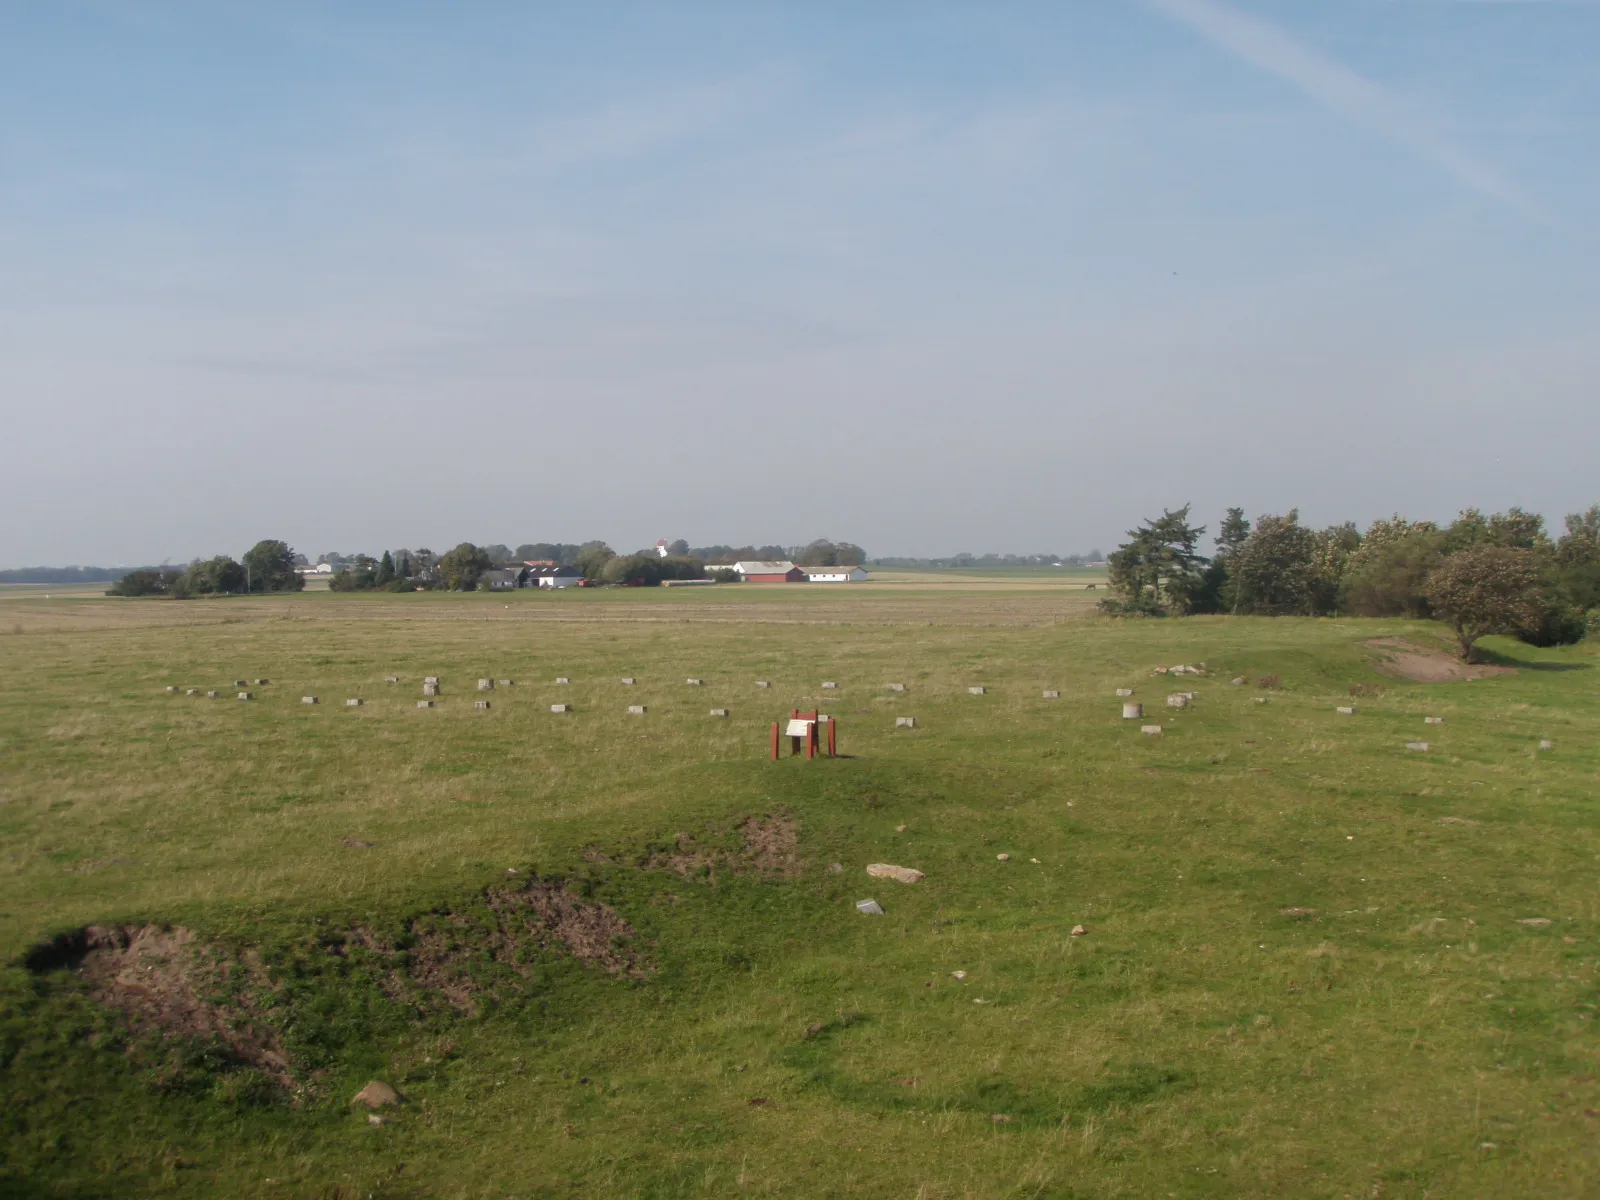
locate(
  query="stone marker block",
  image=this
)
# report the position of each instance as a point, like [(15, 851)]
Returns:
[(1419, 747), (247, 695), (172, 690), (692, 682), (505, 682), (1149, 729), (830, 686), (241, 683), (628, 680), (719, 712), (905, 722), (763, 683), (1238, 681), (424, 703), (560, 708), (354, 702), (481, 705), (1124, 691), (212, 695), (1346, 710), (308, 700), (636, 710), (1132, 712), (897, 687), (391, 679), (1433, 720), (1052, 695), (976, 691), (430, 679), (430, 689), (1546, 744), (191, 691), (259, 682), (562, 679), (1259, 699), (486, 685), (1178, 701)]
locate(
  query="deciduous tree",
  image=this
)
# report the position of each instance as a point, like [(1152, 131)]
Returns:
[(1487, 589)]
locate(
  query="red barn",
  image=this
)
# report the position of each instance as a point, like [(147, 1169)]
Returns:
[(770, 572)]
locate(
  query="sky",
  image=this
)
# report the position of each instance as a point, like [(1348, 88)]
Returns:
[(926, 277)]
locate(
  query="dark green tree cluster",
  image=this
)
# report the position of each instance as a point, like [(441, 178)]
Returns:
[(268, 566), (648, 569), (823, 553), (1499, 573), (391, 573)]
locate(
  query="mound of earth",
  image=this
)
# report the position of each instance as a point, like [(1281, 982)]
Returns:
[(1422, 664), (169, 983)]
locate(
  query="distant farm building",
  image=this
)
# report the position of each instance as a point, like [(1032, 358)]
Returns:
[(498, 580), (769, 572), (548, 575), (837, 574)]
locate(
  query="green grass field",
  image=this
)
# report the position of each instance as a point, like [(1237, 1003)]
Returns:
[(1307, 966)]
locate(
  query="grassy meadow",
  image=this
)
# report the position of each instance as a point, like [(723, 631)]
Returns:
[(1314, 963)]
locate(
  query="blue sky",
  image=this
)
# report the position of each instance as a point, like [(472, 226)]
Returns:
[(927, 277)]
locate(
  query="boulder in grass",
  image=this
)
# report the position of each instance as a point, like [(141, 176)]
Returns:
[(376, 1094), (869, 908), (898, 874)]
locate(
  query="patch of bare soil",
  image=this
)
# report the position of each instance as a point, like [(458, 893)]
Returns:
[(1423, 664), (448, 951), (167, 982), (771, 849)]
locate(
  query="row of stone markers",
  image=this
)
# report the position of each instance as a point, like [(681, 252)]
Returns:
[(173, 690)]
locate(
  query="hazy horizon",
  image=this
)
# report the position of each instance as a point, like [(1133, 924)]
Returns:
[(928, 278)]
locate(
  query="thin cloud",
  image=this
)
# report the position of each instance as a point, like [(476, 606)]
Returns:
[(1339, 90)]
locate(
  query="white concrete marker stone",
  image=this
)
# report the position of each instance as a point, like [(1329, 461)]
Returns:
[(1419, 747), (247, 695), (481, 705), (241, 683), (897, 687), (829, 686), (353, 702), (191, 691), (424, 703), (1347, 710), (308, 700), (628, 681), (505, 682), (1178, 701), (1149, 729), (1238, 681), (1052, 695), (763, 683), (905, 722), (172, 690), (430, 689), (1546, 744), (561, 708), (1132, 712), (213, 695), (636, 710), (1124, 691), (433, 679), (486, 685), (692, 683), (562, 679), (391, 679), (259, 682), (977, 691), (719, 712), (1259, 699), (1433, 720)]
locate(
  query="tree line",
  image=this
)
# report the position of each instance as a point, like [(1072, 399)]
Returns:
[(1495, 574), (268, 566)]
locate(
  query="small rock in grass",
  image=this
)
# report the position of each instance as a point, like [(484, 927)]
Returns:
[(376, 1094), (1078, 931), (763, 683), (835, 868), (1124, 691), (1035, 862), (1151, 729), (1535, 922), (562, 679), (1433, 720), (1237, 681), (1179, 700), (355, 843), (869, 908), (897, 687), (1003, 857), (958, 975), (375, 1119), (172, 689), (1546, 744), (628, 681), (899, 828), (1259, 699), (898, 874), (1419, 747)]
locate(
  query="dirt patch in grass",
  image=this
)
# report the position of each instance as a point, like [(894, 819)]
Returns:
[(460, 956), (167, 982), (770, 848), (1425, 664)]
